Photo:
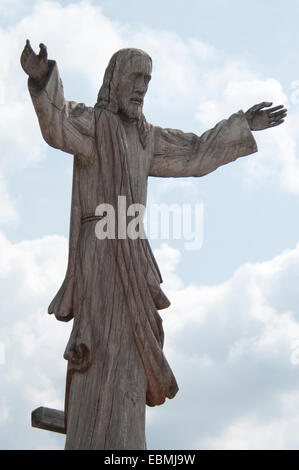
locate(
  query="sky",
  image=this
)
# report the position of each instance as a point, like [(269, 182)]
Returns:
[(232, 330)]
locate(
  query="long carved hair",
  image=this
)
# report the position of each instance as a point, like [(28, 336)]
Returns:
[(107, 96)]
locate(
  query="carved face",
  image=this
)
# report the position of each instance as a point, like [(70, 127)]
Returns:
[(133, 85)]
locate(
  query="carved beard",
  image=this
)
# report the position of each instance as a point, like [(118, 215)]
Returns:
[(130, 108)]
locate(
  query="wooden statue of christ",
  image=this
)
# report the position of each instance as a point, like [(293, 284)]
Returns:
[(112, 287)]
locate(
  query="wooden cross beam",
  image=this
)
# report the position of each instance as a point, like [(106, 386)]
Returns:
[(48, 419)]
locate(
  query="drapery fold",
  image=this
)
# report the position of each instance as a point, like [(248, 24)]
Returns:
[(136, 266)]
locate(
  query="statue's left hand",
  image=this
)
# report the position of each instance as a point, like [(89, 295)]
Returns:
[(259, 118)]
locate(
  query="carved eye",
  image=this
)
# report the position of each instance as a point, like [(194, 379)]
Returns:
[(133, 76)]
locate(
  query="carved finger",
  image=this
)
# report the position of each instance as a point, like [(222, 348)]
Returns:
[(27, 51), (28, 46), (259, 106), (276, 108), (278, 114), (43, 51), (277, 123)]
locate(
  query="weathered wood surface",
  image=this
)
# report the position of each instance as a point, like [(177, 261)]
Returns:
[(112, 287), (48, 419)]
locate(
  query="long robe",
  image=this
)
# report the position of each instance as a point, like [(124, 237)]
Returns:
[(112, 287)]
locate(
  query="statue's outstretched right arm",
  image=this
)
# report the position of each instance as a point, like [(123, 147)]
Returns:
[(65, 125)]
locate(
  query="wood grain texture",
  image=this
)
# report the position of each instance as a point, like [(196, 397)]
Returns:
[(116, 363), (48, 419)]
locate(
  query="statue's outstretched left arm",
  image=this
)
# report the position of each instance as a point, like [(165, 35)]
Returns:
[(177, 153)]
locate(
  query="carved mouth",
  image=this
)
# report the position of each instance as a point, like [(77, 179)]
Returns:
[(136, 100)]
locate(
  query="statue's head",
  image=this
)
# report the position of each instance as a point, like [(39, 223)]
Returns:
[(125, 83)]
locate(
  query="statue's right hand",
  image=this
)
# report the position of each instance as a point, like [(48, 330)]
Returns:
[(36, 66)]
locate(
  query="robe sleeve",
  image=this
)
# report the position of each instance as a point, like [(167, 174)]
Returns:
[(65, 125), (181, 154)]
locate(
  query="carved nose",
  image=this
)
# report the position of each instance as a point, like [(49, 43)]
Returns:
[(140, 87), (140, 90)]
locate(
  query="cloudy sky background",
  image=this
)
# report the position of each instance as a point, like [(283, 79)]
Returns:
[(232, 332)]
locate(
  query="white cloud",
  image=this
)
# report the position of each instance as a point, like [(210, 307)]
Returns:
[(249, 434), (12, 10), (8, 212), (233, 86), (168, 258), (231, 353), (231, 346), (33, 372)]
